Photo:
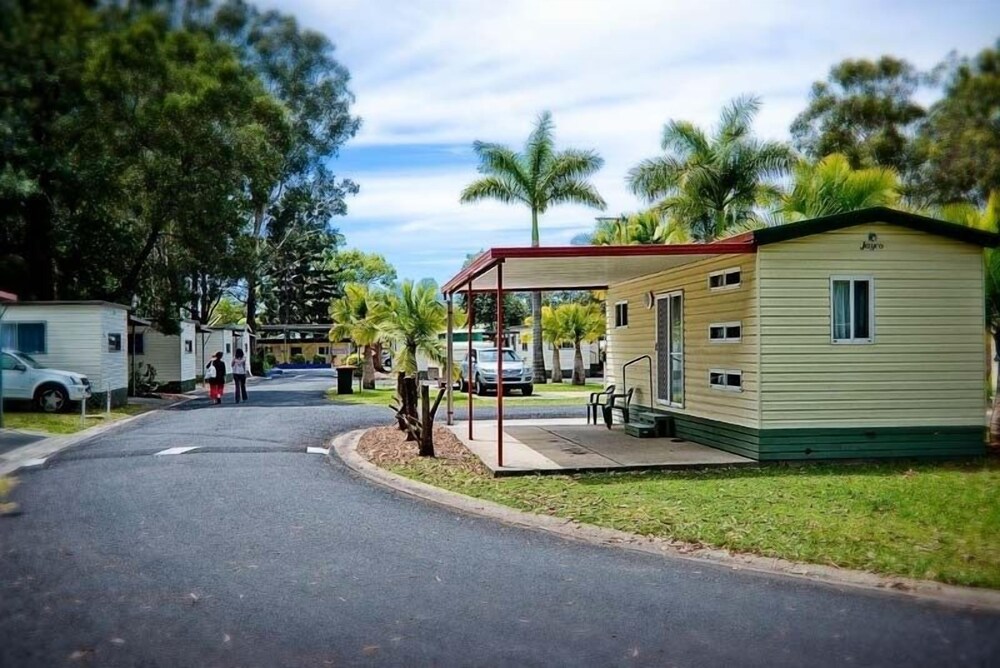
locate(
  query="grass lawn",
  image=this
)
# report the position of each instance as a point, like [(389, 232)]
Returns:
[(545, 395), (66, 423), (938, 521)]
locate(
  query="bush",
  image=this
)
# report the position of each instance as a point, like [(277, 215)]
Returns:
[(354, 359), (270, 360), (260, 365), (298, 359), (319, 359)]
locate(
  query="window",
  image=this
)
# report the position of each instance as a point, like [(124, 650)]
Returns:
[(188, 346), (296, 350), (566, 345), (229, 348), (9, 363), (323, 350), (852, 309), (725, 332), (138, 345), (724, 279), (621, 314), (114, 343), (28, 337), (723, 379)]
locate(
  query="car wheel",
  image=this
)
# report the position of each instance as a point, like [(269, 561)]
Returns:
[(52, 399), (480, 388), (527, 390)]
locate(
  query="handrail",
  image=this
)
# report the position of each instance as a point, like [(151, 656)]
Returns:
[(630, 363)]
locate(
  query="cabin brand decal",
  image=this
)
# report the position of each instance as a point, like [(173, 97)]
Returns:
[(872, 243)]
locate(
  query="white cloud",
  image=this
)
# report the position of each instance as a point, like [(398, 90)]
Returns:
[(451, 71)]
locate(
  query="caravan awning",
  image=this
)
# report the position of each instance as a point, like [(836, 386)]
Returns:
[(582, 267)]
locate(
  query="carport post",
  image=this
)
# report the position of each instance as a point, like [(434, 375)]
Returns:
[(449, 371), (500, 365), (468, 363)]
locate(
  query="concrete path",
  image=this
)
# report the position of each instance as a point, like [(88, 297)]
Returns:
[(210, 535)]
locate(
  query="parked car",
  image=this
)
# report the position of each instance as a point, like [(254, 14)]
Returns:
[(51, 390), (516, 374)]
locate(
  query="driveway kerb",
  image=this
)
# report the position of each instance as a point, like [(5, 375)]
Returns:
[(346, 446), (36, 455)]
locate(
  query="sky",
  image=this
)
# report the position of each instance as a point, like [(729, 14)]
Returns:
[(432, 76)]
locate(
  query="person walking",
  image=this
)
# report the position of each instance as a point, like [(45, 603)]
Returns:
[(215, 374), (240, 375)]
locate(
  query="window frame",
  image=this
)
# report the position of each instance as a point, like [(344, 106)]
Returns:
[(115, 347), (851, 279), (621, 322), (724, 273), (188, 347), (725, 334), (726, 373), (16, 324)]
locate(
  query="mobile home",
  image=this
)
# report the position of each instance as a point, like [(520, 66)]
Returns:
[(857, 335), (171, 355), (88, 337)]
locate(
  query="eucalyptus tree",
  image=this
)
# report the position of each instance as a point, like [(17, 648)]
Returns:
[(712, 183), (538, 177), (300, 69), (832, 186)]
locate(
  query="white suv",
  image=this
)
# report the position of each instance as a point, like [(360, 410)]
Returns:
[(50, 389)]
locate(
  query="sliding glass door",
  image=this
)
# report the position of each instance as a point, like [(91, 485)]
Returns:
[(670, 349)]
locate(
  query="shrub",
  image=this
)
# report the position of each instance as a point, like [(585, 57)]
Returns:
[(319, 359), (298, 359), (270, 360), (354, 359)]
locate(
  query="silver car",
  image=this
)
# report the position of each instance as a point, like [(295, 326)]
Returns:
[(516, 374)]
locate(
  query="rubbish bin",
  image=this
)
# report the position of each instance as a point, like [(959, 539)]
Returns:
[(345, 379)]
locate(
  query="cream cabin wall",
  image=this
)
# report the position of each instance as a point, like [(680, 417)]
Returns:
[(927, 363), (702, 307)]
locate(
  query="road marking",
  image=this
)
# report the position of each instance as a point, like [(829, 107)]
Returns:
[(316, 451), (33, 463), (176, 451)]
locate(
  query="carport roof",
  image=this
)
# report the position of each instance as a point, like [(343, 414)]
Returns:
[(581, 267)]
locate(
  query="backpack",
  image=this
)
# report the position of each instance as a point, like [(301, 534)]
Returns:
[(210, 371)]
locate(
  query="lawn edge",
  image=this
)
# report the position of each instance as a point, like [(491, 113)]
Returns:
[(45, 450), (345, 446)]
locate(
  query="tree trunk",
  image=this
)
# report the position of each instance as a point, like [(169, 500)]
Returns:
[(579, 377), (39, 244), (127, 288), (426, 448), (995, 417), (368, 369), (537, 345), (253, 274), (556, 364)]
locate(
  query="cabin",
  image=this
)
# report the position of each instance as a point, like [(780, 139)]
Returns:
[(88, 337), (226, 339), (858, 335), (171, 355), (286, 342)]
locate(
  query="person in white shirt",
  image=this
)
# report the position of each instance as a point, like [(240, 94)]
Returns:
[(240, 375)]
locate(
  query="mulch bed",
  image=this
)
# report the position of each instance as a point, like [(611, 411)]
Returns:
[(388, 447)]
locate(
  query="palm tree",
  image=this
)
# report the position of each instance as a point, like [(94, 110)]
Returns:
[(413, 319), (711, 184), (986, 218), (831, 186), (578, 323), (356, 317), (643, 228), (551, 334), (538, 177)]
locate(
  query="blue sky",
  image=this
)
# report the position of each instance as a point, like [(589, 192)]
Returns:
[(432, 76)]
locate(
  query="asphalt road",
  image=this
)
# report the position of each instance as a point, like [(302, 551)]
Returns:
[(254, 553)]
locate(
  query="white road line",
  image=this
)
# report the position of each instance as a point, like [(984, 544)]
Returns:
[(32, 463), (176, 451), (316, 451)]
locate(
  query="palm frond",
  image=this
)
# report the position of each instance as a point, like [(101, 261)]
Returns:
[(684, 138), (498, 188), (538, 151), (575, 191), (737, 117)]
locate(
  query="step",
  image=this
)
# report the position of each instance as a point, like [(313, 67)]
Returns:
[(664, 423), (641, 429)]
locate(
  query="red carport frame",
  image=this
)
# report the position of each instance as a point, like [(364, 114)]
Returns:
[(580, 268)]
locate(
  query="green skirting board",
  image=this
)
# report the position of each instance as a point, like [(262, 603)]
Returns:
[(830, 443)]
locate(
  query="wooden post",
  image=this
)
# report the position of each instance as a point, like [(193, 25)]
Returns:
[(500, 365), (449, 372), (468, 365), (426, 422)]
